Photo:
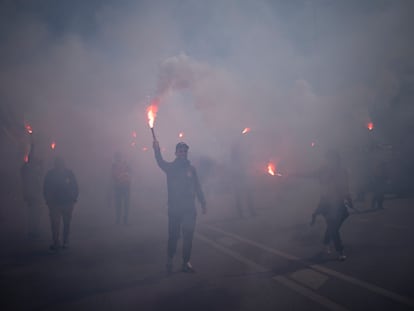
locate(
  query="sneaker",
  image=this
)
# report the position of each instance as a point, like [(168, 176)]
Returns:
[(188, 268)]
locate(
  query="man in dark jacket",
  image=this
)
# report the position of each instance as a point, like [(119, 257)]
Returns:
[(31, 174), (121, 184), (183, 187), (60, 190)]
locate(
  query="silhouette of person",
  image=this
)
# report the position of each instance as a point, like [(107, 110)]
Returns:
[(334, 199), (121, 185), (60, 190), (241, 181), (183, 187), (32, 176)]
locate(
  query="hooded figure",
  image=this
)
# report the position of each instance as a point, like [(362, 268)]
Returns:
[(183, 188)]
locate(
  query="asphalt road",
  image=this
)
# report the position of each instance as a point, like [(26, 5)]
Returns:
[(269, 262)]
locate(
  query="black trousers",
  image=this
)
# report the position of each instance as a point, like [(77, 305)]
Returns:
[(184, 221), (121, 203), (334, 221)]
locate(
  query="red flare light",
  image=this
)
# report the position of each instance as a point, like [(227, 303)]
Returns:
[(313, 144), (144, 149), (134, 134), (26, 158), (29, 129), (152, 114), (181, 135), (246, 130), (370, 126), (271, 169), (53, 145)]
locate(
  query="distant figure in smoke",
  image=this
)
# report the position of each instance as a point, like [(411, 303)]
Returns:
[(379, 185), (32, 177), (60, 190), (334, 199), (121, 185), (241, 181), (183, 187)]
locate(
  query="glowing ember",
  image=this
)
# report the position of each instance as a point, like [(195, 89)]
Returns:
[(271, 169), (29, 129), (181, 135), (134, 134), (370, 126), (53, 145), (152, 114), (246, 130)]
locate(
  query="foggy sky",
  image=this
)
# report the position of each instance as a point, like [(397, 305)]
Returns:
[(293, 71)]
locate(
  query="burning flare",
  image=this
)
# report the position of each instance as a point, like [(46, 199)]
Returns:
[(53, 145), (370, 126), (246, 130), (271, 169), (181, 135), (152, 114), (29, 129)]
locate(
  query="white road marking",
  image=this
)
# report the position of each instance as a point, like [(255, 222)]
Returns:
[(373, 288), (231, 253), (227, 241), (310, 278), (329, 304)]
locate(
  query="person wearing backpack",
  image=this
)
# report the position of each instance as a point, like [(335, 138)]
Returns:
[(60, 191)]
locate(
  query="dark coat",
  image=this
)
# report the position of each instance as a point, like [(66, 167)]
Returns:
[(182, 183), (60, 187)]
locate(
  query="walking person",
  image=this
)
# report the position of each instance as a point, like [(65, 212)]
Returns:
[(183, 187), (60, 190), (32, 176), (334, 200), (121, 186)]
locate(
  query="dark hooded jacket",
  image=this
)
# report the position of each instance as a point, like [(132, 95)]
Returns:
[(182, 183), (60, 187)]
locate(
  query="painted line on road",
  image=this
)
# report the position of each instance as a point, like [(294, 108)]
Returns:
[(309, 294), (371, 287), (329, 304), (231, 253)]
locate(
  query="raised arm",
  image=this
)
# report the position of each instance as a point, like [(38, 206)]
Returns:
[(158, 157)]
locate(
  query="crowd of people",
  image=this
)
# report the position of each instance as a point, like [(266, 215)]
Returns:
[(59, 190)]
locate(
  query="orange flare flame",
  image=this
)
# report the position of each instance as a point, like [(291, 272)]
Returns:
[(246, 130), (29, 129), (152, 114), (271, 169)]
